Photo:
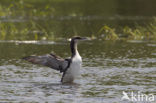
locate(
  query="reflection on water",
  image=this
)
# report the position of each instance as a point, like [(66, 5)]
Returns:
[(108, 69)]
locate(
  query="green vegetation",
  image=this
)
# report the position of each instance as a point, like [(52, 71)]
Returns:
[(138, 33), (22, 8), (16, 31), (30, 27), (35, 31)]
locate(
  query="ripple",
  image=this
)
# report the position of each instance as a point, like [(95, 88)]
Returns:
[(103, 78), (27, 42)]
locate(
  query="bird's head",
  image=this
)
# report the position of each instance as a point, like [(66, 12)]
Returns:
[(73, 44)]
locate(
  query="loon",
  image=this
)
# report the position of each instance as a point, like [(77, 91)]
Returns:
[(69, 67)]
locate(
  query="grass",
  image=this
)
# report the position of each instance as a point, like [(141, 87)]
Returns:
[(126, 33), (20, 31), (24, 8), (31, 29), (34, 31)]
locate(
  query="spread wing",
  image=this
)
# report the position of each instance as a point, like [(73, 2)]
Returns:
[(50, 60)]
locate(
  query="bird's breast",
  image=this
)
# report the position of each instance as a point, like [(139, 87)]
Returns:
[(75, 66), (77, 59), (74, 70)]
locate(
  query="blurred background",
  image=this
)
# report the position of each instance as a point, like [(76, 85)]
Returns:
[(56, 19)]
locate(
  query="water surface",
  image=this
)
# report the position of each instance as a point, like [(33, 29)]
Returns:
[(108, 69)]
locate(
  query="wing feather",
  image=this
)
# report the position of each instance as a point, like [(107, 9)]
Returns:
[(49, 60)]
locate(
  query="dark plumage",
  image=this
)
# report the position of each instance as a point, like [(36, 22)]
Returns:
[(49, 60), (55, 62)]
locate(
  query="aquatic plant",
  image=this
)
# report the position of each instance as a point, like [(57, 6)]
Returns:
[(126, 33), (28, 26), (18, 31), (108, 33)]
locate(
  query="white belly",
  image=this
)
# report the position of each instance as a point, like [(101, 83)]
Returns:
[(74, 70)]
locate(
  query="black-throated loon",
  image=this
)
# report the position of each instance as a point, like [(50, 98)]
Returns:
[(70, 67)]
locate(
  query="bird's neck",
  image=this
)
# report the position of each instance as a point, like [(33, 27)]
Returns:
[(73, 46)]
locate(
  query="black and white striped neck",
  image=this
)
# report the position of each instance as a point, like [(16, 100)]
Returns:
[(73, 46)]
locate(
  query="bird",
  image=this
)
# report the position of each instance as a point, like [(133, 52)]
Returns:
[(70, 67)]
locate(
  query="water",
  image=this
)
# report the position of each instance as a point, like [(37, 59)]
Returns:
[(63, 19), (108, 69)]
